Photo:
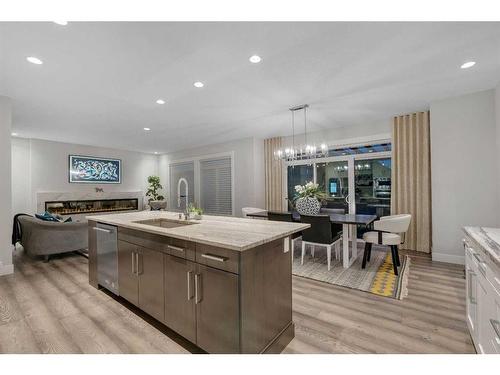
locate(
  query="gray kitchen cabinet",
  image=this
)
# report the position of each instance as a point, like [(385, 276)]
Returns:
[(140, 276), (217, 310), (127, 275), (150, 272), (180, 313)]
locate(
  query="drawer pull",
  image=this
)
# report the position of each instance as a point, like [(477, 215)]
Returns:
[(496, 328), (214, 257), (179, 249), (478, 258), (102, 230)]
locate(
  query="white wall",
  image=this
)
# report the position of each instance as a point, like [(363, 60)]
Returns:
[(346, 135), (464, 162), (42, 166), (5, 188), (248, 169), (497, 120)]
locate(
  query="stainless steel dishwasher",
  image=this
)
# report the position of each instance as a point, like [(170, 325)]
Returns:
[(107, 256)]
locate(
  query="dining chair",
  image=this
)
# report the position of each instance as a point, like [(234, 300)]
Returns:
[(320, 234), (388, 231), (285, 216)]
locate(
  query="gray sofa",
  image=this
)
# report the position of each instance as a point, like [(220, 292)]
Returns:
[(45, 238)]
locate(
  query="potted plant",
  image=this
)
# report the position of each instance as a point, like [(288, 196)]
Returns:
[(195, 212), (308, 198), (156, 201)]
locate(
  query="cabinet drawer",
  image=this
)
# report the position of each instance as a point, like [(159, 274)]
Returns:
[(148, 240), (181, 249), (216, 257)]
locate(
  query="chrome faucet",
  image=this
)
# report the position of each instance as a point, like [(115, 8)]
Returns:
[(185, 196)]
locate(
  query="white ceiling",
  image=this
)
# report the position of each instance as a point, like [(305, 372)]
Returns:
[(99, 81)]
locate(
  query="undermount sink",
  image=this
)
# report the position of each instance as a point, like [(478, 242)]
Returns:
[(165, 223)]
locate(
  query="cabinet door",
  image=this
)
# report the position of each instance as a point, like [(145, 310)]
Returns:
[(217, 310), (127, 276), (151, 294), (180, 313)]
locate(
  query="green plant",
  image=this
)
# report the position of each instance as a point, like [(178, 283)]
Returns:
[(154, 186), (196, 210), (309, 190)]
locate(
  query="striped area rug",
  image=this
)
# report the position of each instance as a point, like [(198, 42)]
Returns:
[(377, 278)]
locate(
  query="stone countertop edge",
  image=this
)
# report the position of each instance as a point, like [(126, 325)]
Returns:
[(483, 239), (127, 220)]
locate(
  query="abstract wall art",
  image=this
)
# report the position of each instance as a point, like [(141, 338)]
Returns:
[(92, 170)]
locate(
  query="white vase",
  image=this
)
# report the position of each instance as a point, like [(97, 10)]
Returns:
[(308, 206)]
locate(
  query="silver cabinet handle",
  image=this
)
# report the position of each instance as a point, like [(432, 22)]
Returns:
[(172, 247), (213, 257), (197, 278), (133, 261), (471, 298), (138, 263), (189, 285), (478, 258), (496, 328), (102, 230)]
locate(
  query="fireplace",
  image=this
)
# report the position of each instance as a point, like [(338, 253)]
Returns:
[(91, 206)]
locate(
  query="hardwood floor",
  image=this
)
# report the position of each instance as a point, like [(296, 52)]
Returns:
[(51, 308)]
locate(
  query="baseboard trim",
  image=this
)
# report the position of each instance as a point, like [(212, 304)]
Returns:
[(447, 258), (6, 269)]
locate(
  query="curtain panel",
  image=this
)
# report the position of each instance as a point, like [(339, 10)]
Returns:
[(273, 179), (411, 177)]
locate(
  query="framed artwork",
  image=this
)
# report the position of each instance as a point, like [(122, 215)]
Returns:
[(93, 170)]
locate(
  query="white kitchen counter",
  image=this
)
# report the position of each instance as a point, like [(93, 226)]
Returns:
[(488, 239), (222, 231)]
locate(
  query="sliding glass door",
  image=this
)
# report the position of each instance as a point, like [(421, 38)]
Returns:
[(333, 179), (357, 179), (297, 175)]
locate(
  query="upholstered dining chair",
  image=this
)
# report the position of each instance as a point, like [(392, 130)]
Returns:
[(389, 231), (320, 233)]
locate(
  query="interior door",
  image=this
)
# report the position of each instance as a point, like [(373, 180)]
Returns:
[(180, 312), (217, 310), (151, 294), (127, 276)]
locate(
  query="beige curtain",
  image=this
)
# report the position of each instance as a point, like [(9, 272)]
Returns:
[(274, 181), (411, 177)]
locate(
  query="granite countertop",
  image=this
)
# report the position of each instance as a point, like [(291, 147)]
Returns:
[(222, 231), (488, 239)]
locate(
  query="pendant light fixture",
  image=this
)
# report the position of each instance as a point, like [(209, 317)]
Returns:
[(304, 151)]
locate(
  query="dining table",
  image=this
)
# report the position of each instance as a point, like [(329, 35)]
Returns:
[(349, 223)]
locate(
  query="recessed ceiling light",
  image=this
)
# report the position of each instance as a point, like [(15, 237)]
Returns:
[(13, 134), (255, 59), (160, 101), (147, 129), (34, 60), (62, 23), (198, 84), (468, 64), (156, 152)]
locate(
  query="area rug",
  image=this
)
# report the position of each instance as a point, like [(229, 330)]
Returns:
[(377, 278)]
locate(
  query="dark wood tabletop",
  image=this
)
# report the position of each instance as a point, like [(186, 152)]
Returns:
[(334, 218)]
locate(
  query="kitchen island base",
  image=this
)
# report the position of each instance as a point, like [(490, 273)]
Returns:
[(219, 299)]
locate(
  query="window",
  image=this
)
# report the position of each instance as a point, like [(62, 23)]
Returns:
[(216, 186)]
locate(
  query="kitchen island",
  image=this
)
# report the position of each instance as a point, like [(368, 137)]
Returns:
[(223, 283)]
